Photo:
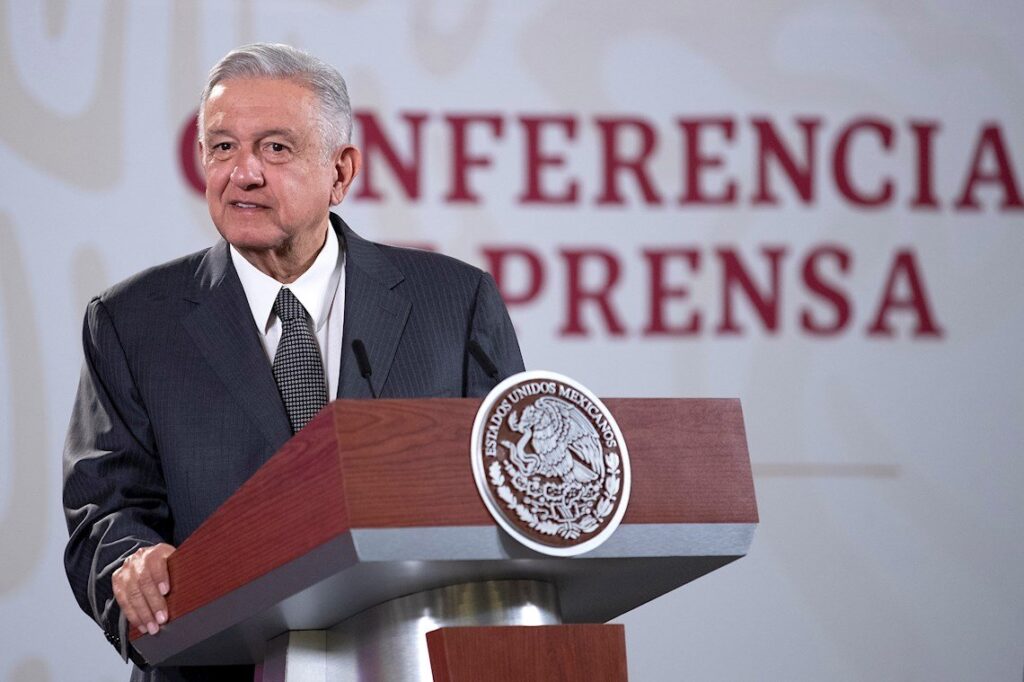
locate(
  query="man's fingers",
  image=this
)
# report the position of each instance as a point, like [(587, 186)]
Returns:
[(155, 603), (157, 560), (127, 607), (146, 619), (126, 593), (140, 586)]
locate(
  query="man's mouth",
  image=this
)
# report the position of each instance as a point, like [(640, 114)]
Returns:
[(246, 204)]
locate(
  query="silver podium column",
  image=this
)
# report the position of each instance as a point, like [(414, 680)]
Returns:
[(388, 641)]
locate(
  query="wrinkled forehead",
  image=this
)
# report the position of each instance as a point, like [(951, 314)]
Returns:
[(238, 106)]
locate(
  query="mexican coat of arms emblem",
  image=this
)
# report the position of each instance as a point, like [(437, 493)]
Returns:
[(550, 463)]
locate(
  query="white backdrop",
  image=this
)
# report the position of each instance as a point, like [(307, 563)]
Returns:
[(886, 464)]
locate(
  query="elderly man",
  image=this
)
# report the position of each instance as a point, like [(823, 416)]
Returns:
[(198, 370)]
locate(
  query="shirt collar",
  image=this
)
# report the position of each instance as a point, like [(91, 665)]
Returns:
[(315, 288)]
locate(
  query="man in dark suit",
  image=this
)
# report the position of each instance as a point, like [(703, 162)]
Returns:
[(198, 370)]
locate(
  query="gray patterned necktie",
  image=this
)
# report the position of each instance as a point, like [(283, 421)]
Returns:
[(298, 369)]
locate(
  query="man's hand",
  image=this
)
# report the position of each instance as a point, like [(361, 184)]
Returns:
[(140, 586)]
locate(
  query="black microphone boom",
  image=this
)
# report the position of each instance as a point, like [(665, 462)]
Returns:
[(483, 359), (363, 360)]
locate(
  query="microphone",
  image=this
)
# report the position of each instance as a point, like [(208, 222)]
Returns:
[(363, 360), (483, 359)]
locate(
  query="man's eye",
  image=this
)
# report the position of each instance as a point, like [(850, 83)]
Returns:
[(277, 147), (222, 147)]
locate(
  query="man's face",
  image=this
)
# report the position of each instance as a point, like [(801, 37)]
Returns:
[(269, 182)]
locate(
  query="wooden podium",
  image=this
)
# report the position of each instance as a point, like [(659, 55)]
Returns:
[(365, 532)]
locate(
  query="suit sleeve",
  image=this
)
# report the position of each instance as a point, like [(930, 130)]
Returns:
[(492, 328), (114, 494)]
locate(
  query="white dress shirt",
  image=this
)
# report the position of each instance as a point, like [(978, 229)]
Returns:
[(320, 290)]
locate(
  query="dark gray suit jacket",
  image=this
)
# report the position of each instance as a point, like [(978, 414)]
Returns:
[(177, 405)]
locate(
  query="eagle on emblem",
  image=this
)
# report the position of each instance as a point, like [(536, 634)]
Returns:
[(564, 442)]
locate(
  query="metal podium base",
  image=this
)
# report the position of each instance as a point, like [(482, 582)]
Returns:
[(388, 641)]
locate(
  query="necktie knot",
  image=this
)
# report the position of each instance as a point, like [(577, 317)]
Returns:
[(287, 307)]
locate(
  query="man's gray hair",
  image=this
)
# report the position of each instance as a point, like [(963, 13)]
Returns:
[(275, 60)]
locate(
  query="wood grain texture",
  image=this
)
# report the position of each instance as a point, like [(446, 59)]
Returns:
[(406, 463), (689, 461), (553, 653), (287, 508)]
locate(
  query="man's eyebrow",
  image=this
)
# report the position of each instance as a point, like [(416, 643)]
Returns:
[(282, 132)]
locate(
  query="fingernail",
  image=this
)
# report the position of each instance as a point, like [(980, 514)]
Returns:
[(161, 617), (142, 629), (164, 588), (153, 628)]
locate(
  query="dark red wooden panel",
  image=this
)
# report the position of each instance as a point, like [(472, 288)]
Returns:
[(555, 653)]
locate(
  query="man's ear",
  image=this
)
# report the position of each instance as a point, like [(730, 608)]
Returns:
[(347, 162)]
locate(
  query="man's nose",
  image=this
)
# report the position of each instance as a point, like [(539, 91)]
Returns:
[(248, 172)]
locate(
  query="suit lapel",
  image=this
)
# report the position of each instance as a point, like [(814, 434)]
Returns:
[(223, 330), (374, 313)]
